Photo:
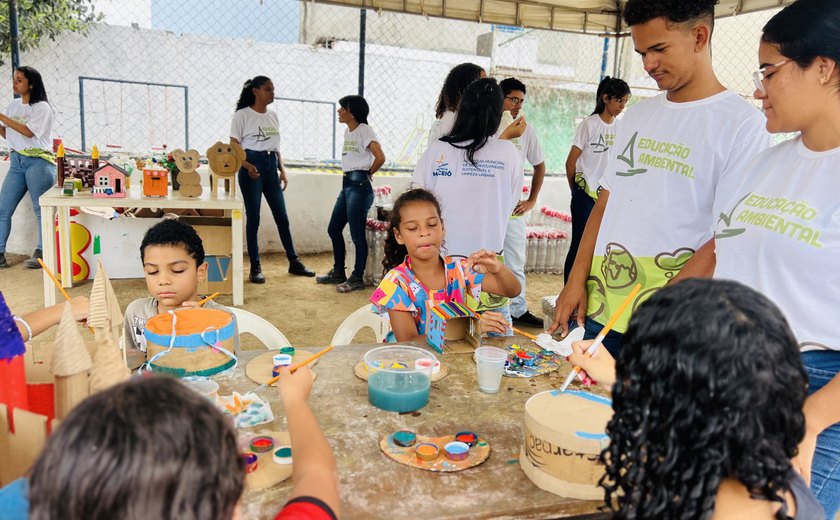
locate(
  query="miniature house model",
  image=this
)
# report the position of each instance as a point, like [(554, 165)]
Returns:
[(451, 321), (155, 182), (109, 181)]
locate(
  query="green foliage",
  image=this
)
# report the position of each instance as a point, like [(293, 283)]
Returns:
[(41, 19)]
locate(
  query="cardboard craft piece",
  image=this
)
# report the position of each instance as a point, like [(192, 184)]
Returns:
[(200, 336), (224, 160), (259, 369), (70, 364), (109, 367), (451, 321), (188, 179), (155, 182), (19, 450), (361, 371), (105, 310), (564, 436), (407, 456), (268, 472), (109, 181)]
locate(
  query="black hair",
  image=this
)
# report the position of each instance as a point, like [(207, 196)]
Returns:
[(454, 85), (395, 252), (614, 88), (674, 11), (247, 97), (173, 232), (709, 385), (357, 106), (37, 90), (805, 30), (478, 117), (146, 448), (510, 84)]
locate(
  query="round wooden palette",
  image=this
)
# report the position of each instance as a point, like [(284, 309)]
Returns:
[(259, 369), (268, 472), (406, 456), (361, 371)]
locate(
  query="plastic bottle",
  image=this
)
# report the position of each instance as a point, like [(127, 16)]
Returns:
[(530, 253), (542, 253)]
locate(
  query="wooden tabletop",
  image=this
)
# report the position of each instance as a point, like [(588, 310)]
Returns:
[(374, 486), (134, 199)]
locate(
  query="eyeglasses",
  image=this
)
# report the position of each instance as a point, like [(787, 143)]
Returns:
[(515, 100), (759, 75)]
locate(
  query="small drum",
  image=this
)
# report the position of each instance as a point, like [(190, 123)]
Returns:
[(564, 435), (191, 342)]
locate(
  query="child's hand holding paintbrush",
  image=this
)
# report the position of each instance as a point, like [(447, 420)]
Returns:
[(600, 366)]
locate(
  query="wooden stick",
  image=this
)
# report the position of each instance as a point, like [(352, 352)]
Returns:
[(522, 332), (57, 283), (296, 366), (205, 300)]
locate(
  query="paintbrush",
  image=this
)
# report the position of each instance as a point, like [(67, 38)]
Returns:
[(205, 300), (601, 335), (523, 333), (294, 367), (57, 283)]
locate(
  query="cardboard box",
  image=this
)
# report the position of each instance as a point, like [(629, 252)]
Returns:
[(218, 249), (219, 275)]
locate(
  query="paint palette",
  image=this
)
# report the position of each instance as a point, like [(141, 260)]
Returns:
[(361, 372), (268, 472), (259, 369), (530, 361), (408, 456)]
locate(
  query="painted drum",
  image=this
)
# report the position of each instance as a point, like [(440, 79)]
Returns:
[(282, 455), (468, 438), (456, 450), (427, 451), (262, 444), (201, 342), (405, 438), (250, 462)]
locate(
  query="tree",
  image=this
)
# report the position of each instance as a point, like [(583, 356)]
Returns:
[(40, 19)]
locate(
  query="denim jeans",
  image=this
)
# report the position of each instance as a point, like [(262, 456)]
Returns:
[(515, 260), (612, 341), (582, 205), (351, 207), (25, 174), (822, 366), (268, 184)]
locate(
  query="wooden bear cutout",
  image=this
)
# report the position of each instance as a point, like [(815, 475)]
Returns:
[(224, 160), (188, 178)]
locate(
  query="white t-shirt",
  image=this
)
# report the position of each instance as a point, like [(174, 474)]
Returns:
[(594, 138), (671, 168), (356, 155), (529, 146), (256, 131), (38, 118), (442, 126), (780, 234), (476, 200)]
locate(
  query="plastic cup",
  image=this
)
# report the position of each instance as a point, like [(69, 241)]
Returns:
[(490, 365), (395, 382)]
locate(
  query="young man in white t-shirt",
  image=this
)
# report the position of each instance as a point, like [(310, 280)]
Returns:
[(673, 158), (529, 147)]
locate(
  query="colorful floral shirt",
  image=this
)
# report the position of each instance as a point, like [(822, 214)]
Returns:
[(400, 290)]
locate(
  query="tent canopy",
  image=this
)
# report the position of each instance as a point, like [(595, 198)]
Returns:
[(584, 16)]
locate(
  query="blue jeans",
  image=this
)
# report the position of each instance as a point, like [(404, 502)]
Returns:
[(612, 342), (268, 184), (351, 207), (515, 259), (582, 205), (822, 366), (25, 174)]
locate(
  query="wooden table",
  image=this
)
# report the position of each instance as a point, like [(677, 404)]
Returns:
[(374, 486), (54, 201)]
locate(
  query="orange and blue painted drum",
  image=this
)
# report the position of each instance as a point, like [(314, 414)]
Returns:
[(191, 342)]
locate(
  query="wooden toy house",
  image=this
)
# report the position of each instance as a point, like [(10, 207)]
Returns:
[(109, 181), (155, 182), (451, 321)]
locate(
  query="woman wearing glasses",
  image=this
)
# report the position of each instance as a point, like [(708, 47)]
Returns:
[(780, 232), (588, 157)]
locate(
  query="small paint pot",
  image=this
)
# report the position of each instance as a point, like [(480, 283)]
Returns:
[(281, 360), (282, 455), (468, 438), (456, 450), (405, 438), (250, 462), (427, 451), (262, 444), (425, 363), (288, 351), (546, 354), (399, 365)]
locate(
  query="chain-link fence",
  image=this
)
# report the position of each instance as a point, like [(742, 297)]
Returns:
[(169, 72)]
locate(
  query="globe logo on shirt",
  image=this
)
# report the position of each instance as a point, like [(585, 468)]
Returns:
[(619, 267)]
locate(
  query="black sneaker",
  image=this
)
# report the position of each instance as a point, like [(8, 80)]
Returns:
[(331, 278), (32, 261), (352, 284), (3, 262), (298, 269), (256, 275), (528, 320)]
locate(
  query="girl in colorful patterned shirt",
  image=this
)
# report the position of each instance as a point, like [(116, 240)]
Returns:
[(419, 276)]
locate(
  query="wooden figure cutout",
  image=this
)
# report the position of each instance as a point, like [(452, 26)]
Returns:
[(224, 161), (188, 178), (70, 364)]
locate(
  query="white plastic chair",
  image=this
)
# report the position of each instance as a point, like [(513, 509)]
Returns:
[(263, 330), (356, 321)]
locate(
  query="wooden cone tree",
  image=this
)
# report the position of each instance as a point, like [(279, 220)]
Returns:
[(70, 364)]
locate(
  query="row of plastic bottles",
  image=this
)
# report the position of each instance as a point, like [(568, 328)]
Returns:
[(552, 218), (546, 249)]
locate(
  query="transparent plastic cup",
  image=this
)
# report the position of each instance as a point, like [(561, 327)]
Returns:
[(490, 365), (395, 382)]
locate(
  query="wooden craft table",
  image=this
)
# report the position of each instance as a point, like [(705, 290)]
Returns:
[(54, 201), (373, 486)]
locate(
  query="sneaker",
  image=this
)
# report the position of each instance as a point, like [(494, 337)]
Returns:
[(3, 262), (331, 278), (32, 261), (528, 320), (297, 268), (256, 275), (352, 284)]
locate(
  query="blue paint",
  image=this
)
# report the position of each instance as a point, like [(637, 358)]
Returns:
[(592, 436), (585, 395)]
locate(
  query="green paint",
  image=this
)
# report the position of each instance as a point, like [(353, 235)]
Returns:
[(96, 245), (283, 453), (512, 461), (288, 350)]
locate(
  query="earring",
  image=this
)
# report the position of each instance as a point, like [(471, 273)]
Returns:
[(823, 80)]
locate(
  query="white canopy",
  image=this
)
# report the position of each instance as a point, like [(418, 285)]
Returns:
[(585, 16)]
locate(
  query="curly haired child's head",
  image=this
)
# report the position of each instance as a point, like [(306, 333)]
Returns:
[(395, 252)]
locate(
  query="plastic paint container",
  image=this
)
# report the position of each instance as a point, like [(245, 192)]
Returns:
[(456, 450), (398, 388), (427, 451), (282, 455)]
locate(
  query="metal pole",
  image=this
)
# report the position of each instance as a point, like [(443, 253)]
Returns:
[(362, 31), (605, 56), (187, 118), (14, 34), (82, 109), (334, 118)]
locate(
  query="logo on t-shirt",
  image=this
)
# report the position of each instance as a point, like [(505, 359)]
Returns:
[(628, 155), (266, 133), (442, 170), (663, 155), (789, 218), (603, 143)]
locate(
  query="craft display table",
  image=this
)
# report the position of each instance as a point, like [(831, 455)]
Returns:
[(373, 486), (53, 201)]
